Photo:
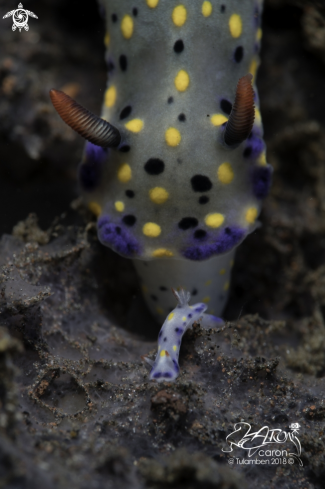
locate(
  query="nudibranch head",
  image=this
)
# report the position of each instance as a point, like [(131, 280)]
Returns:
[(175, 169), (186, 169)]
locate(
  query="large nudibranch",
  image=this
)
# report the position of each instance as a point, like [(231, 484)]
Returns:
[(175, 168)]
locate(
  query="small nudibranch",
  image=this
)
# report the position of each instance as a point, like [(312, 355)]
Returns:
[(178, 174), (165, 367)]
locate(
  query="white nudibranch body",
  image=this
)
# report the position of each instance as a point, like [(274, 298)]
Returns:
[(165, 367), (175, 168)]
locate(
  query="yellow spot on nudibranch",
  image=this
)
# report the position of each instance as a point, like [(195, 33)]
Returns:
[(179, 15), (253, 67), (208, 282), (163, 353), (235, 25), (259, 34), (173, 136), (136, 125), (251, 215), (225, 173), (226, 286), (119, 206), (218, 119), (159, 310), (222, 271), (262, 159), (110, 96), (182, 81), (184, 318), (151, 229), (171, 315), (95, 208), (174, 347), (127, 26), (258, 117), (124, 173), (158, 195), (152, 3), (214, 220), (206, 9), (107, 39), (161, 252), (206, 299)]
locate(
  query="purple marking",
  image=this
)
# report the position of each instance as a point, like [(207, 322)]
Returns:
[(227, 239), (117, 238), (189, 315), (216, 319), (90, 170), (257, 19), (167, 375), (261, 180), (255, 145), (157, 375), (199, 309), (179, 330)]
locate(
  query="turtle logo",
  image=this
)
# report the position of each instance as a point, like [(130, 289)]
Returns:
[(20, 18)]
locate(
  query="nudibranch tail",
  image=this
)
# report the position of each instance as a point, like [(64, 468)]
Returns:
[(165, 366), (89, 126), (241, 119)]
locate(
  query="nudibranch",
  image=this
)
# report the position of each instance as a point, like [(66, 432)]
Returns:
[(175, 169), (165, 367)]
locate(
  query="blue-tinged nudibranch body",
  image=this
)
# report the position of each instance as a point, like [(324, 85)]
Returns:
[(179, 177), (165, 367)]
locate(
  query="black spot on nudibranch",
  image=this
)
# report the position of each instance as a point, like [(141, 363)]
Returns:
[(170, 100), (163, 289), (125, 112), (129, 220), (200, 234), (201, 183), (135, 11), (129, 193), (223, 9), (247, 152), (178, 46), (154, 166), (165, 339), (239, 54), (154, 297), (187, 223), (182, 118), (125, 148), (114, 18), (194, 292), (226, 106), (123, 62), (203, 199)]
